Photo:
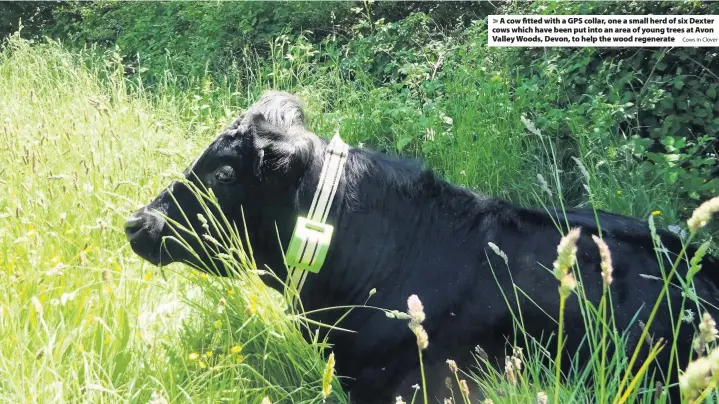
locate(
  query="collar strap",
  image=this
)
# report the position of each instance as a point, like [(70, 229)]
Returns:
[(312, 235)]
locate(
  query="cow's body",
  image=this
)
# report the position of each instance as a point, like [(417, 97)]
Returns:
[(403, 231)]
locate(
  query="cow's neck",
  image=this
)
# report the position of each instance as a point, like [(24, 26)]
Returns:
[(396, 219)]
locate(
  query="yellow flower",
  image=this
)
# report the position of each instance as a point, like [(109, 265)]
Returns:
[(236, 349), (194, 356), (230, 292), (202, 365), (208, 354), (217, 324), (240, 359), (656, 213), (252, 309), (147, 276)]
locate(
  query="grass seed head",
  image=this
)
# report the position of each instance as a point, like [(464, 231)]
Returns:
[(703, 214), (696, 377), (566, 253), (464, 388), (421, 334), (415, 309), (606, 257), (327, 376)]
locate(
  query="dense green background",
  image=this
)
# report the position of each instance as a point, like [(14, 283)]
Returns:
[(417, 78)]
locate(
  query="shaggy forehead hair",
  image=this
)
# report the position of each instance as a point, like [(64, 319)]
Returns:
[(279, 108)]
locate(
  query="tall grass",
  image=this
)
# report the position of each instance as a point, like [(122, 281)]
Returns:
[(81, 318)]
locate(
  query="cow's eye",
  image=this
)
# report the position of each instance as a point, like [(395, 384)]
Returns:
[(225, 174)]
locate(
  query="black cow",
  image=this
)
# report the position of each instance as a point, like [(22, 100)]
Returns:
[(401, 230)]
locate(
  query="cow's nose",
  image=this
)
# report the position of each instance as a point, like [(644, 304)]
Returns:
[(133, 226)]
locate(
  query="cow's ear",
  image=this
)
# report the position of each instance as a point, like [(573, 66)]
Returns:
[(274, 147)]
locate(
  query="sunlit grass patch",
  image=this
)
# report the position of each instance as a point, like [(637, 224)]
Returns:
[(82, 319)]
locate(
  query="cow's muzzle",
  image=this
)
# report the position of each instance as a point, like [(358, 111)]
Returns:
[(143, 230)]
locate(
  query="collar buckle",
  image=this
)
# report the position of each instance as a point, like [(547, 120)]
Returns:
[(308, 245)]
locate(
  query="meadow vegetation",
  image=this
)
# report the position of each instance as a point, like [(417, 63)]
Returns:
[(95, 125)]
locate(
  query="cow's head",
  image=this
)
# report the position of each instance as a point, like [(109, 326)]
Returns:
[(254, 168)]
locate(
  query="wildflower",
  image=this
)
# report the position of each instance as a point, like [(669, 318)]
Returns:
[(147, 276), (327, 376), (236, 349), (566, 253), (452, 365), (240, 359), (194, 356), (252, 307), (541, 398), (702, 214), (208, 354), (415, 387), (606, 263), (656, 213), (464, 388), (416, 310)]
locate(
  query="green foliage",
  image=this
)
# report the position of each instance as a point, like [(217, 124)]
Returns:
[(657, 105)]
